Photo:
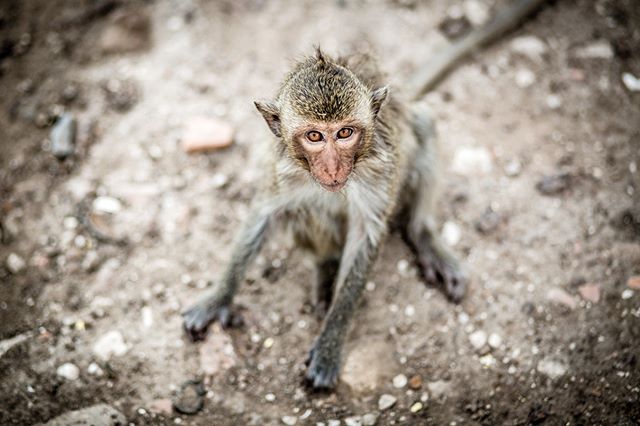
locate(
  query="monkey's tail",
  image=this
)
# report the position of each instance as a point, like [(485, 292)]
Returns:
[(438, 66)]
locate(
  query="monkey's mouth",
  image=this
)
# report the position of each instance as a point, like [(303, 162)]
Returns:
[(333, 187)]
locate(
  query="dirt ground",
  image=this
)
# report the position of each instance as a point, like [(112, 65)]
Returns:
[(549, 271)]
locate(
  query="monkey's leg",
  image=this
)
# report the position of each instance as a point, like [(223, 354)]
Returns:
[(438, 263), (326, 271), (324, 358), (216, 303)]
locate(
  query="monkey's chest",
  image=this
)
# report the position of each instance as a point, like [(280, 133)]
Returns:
[(319, 228)]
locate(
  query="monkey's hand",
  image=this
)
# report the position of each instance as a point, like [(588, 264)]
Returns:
[(323, 365), (197, 318)]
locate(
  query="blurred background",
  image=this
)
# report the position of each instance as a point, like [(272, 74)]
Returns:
[(130, 151)]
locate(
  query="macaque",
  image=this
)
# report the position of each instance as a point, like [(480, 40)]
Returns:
[(350, 156)]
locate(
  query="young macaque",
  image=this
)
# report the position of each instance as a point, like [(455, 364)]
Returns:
[(349, 155)]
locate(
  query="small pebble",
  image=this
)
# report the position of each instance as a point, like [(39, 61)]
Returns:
[(333, 422), (416, 407), (68, 371), (63, 136), (106, 204), (451, 233), (554, 184), (470, 160), (400, 381), (552, 369), (553, 101), (270, 397), (289, 420), (627, 294), (15, 264), (513, 168), (600, 49), (369, 419), (631, 82), (95, 370), (268, 342), (353, 421), (206, 134), (478, 339), (634, 282), (386, 401), (529, 46), (415, 382), (495, 340), (525, 78), (590, 292), (110, 344), (560, 296)]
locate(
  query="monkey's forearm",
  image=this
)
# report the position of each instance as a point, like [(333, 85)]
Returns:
[(324, 359), (245, 250)]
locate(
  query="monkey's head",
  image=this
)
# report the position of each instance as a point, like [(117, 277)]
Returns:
[(325, 116)]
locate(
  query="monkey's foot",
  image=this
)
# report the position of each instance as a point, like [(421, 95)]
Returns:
[(323, 367), (197, 318), (447, 274)]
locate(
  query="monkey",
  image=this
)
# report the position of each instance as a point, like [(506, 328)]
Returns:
[(350, 157)]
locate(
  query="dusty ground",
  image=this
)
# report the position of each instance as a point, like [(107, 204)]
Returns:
[(556, 363)]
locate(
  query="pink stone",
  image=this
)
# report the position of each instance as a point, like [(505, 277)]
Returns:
[(634, 282), (590, 292), (206, 134), (560, 296)]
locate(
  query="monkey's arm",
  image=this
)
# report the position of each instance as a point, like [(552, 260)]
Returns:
[(324, 359), (216, 303), (439, 65)]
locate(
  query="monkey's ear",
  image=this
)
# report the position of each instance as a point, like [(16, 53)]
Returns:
[(377, 98), (271, 115)]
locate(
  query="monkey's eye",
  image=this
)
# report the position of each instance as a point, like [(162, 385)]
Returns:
[(314, 136), (345, 132)]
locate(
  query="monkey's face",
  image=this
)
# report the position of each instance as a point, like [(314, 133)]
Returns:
[(330, 151)]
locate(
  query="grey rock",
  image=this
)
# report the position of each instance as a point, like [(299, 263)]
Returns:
[(96, 415), (369, 419), (488, 221), (554, 184), (63, 136), (7, 344), (353, 421), (386, 401)]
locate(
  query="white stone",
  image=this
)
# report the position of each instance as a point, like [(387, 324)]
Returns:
[(525, 78), (451, 233), (219, 180), (403, 266), (15, 264), (627, 294), (369, 419), (147, 317), (471, 160), (68, 371), (478, 339), (333, 422), (554, 101), (386, 401), (270, 397), (513, 168), (552, 369), (106, 204), (530, 46), (476, 11), (495, 340), (289, 420), (353, 421), (110, 344), (95, 370), (600, 49), (631, 82), (400, 381)]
